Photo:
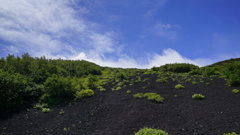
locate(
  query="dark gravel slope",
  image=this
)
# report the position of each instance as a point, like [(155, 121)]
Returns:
[(118, 113)]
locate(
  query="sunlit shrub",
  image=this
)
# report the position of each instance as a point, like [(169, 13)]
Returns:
[(179, 86), (46, 110), (83, 94), (198, 96), (151, 131), (233, 133), (235, 90)]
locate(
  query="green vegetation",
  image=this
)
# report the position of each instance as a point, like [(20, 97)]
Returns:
[(26, 79), (233, 133), (129, 91), (40, 106), (236, 91), (162, 80), (138, 95), (46, 110), (179, 86), (84, 93), (177, 68), (198, 96), (151, 131), (61, 111), (150, 96)]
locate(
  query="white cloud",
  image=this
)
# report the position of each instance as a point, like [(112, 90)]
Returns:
[(167, 31), (54, 29), (50, 27)]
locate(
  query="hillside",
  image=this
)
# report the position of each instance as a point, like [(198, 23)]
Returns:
[(114, 108)]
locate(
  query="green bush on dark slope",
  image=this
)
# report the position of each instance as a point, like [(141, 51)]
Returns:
[(177, 67), (12, 89)]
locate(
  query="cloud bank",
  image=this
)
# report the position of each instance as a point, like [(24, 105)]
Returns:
[(58, 30)]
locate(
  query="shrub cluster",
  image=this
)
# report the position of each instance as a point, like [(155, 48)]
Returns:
[(150, 96), (233, 133), (84, 93), (177, 67), (198, 96), (179, 86), (151, 131)]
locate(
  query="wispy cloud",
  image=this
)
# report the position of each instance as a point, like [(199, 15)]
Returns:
[(57, 29), (167, 31), (50, 27)]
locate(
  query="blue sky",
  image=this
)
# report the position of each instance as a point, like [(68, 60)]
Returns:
[(122, 33)]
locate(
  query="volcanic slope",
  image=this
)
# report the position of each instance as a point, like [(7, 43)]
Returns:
[(117, 112)]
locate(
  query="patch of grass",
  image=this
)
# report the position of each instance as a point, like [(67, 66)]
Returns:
[(233, 133), (235, 91), (194, 82), (198, 96), (138, 95), (179, 86), (129, 91), (118, 88), (46, 110), (61, 111), (162, 80), (151, 131), (101, 89), (84, 93), (150, 96), (66, 129), (154, 97), (40, 106)]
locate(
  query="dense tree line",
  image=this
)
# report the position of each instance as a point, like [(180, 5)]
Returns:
[(23, 79)]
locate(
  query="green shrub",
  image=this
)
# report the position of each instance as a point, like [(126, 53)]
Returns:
[(233, 133), (179, 86), (57, 89), (118, 88), (178, 67), (198, 96), (46, 110), (194, 82), (39, 106), (150, 96), (153, 97), (129, 91), (235, 91), (138, 95), (162, 80), (234, 80), (150, 131), (101, 88), (83, 94), (92, 81), (13, 90), (61, 111)]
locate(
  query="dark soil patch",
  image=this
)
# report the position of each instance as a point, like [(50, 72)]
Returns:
[(118, 113)]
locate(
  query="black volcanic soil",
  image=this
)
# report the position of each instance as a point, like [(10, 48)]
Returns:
[(118, 113)]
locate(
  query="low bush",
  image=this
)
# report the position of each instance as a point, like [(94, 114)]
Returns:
[(129, 91), (138, 95), (150, 96), (233, 133), (162, 80), (198, 96), (46, 110), (151, 131), (154, 97), (177, 67), (235, 91), (179, 86), (39, 106), (83, 94)]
